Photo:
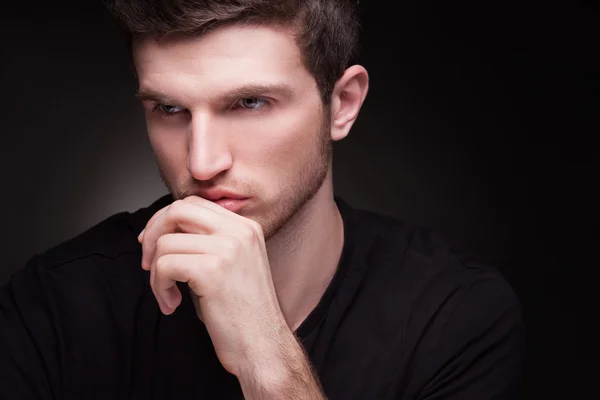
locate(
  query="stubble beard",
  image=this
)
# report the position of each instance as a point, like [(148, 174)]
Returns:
[(293, 193)]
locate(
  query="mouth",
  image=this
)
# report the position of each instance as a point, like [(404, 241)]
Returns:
[(231, 204)]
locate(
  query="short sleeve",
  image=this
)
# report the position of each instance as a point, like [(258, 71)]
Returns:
[(28, 346), (480, 350)]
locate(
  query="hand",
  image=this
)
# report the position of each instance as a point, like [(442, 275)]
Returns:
[(222, 257)]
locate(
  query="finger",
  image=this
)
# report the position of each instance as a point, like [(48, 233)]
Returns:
[(187, 243), (196, 303), (197, 200), (188, 268), (200, 201), (185, 217), (163, 307), (152, 219), (191, 243), (166, 308), (161, 304)]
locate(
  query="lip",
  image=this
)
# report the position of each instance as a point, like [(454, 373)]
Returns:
[(224, 198), (217, 194), (231, 204)]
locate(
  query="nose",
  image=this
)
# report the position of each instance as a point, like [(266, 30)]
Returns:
[(209, 153)]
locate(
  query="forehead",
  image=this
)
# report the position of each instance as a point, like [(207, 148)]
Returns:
[(225, 57)]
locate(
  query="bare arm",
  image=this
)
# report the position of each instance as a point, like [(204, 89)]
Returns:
[(281, 372)]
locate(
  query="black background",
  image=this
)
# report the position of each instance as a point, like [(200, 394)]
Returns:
[(479, 123)]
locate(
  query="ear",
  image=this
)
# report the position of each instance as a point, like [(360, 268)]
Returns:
[(347, 98)]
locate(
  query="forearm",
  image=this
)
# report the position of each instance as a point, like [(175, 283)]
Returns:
[(283, 371)]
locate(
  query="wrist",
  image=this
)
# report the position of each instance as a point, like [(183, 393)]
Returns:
[(271, 356), (280, 371), (264, 380)]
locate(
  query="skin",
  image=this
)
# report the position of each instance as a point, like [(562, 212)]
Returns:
[(255, 274)]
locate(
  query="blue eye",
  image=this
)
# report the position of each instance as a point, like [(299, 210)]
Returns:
[(168, 109), (252, 103)]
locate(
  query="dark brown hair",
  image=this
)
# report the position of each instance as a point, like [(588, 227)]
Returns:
[(326, 30)]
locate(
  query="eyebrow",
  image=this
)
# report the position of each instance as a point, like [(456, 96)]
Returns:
[(249, 90), (149, 94)]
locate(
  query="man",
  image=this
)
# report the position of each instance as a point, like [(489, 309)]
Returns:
[(251, 279)]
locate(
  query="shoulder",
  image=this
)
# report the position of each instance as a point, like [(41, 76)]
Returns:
[(443, 317), (111, 238), (418, 272), (109, 247), (84, 279)]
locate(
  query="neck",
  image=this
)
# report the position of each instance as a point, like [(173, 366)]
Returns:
[(305, 253)]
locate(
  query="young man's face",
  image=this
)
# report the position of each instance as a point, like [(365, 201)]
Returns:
[(236, 113)]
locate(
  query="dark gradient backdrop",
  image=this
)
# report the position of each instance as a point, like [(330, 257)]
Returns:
[(478, 124)]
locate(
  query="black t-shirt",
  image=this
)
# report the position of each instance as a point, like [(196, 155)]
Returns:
[(405, 317)]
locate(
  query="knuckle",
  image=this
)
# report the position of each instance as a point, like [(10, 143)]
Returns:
[(229, 257), (257, 228), (219, 264), (232, 243), (162, 244), (176, 207), (190, 200), (215, 265), (248, 233), (162, 263)]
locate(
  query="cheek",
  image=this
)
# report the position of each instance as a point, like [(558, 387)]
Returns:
[(169, 148), (283, 138)]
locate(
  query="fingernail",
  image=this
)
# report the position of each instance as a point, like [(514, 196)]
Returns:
[(141, 235)]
